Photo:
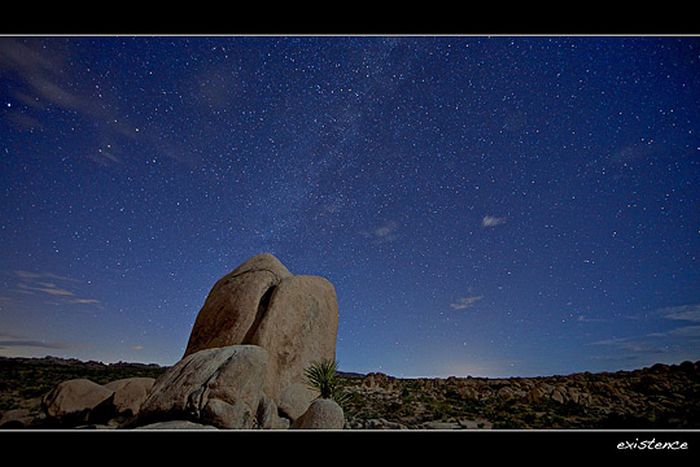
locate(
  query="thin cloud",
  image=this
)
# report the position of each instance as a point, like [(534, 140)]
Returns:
[(56, 291), (682, 313), (685, 331), (59, 287), (385, 233), (40, 71), (84, 301), (29, 275), (137, 347), (640, 345), (492, 221), (684, 339), (49, 289), (45, 75), (12, 343), (465, 302)]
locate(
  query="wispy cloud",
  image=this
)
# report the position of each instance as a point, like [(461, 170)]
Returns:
[(137, 347), (12, 341), (465, 302), (43, 78), (384, 233), (41, 72), (637, 344), (492, 221), (682, 313), (61, 288), (683, 340), (84, 301), (4, 344), (44, 276), (684, 331), (50, 289)]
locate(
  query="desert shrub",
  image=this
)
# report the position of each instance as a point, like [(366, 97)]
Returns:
[(323, 376)]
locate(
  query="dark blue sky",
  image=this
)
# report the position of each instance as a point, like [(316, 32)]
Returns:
[(485, 206)]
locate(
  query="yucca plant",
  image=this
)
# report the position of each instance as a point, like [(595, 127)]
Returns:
[(323, 376)]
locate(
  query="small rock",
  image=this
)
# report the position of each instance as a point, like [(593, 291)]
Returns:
[(536, 394), (505, 393), (558, 396), (17, 418), (468, 393), (384, 424), (479, 423), (323, 414)]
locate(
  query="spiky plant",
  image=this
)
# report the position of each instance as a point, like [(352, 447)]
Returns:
[(323, 376)]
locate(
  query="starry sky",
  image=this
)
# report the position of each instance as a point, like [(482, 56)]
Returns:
[(484, 206)]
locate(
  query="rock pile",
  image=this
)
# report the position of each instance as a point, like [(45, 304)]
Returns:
[(79, 402), (259, 328)]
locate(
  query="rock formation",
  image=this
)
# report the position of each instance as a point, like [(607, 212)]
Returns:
[(295, 318), (259, 329)]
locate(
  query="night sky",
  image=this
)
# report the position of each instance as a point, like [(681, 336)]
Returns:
[(484, 206)]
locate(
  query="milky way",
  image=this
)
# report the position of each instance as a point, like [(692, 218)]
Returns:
[(485, 206)]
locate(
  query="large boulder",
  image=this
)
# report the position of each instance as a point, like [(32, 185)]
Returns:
[(71, 401), (299, 328), (235, 302), (219, 386), (323, 414), (295, 318), (129, 394)]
